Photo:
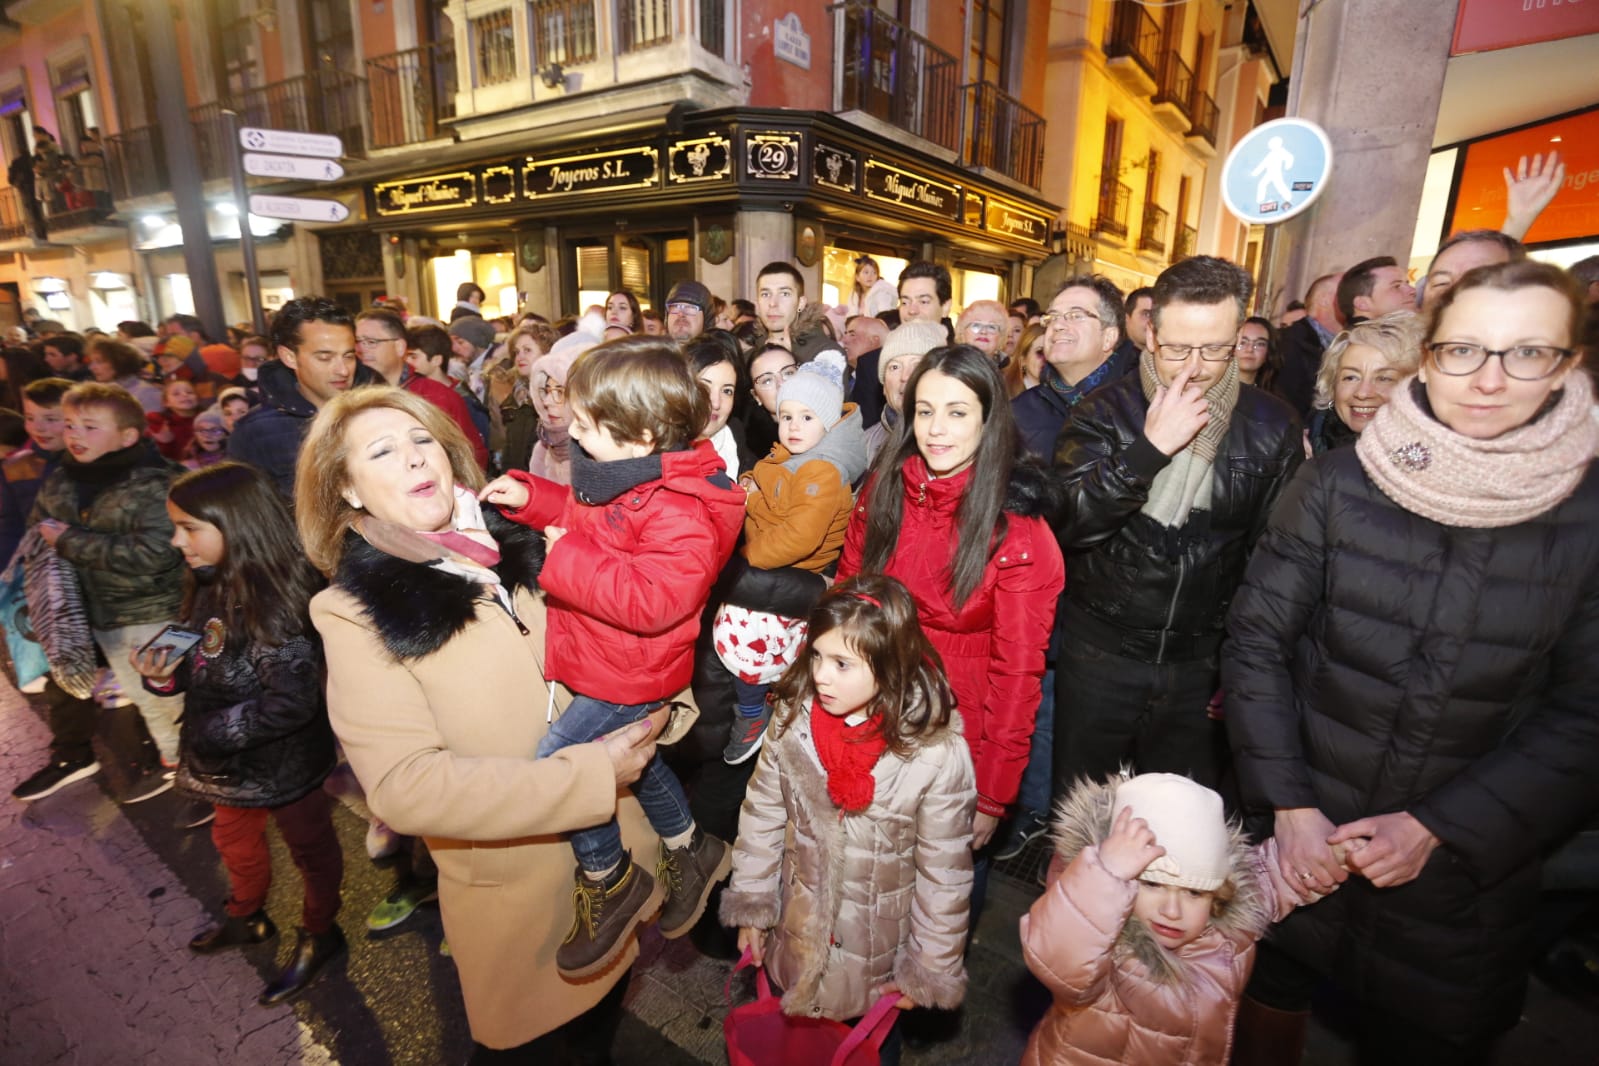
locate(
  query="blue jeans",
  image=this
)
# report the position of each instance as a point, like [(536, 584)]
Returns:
[(658, 790), (1034, 796)]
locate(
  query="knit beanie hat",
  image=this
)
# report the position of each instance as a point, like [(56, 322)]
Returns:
[(221, 359), (819, 385), (913, 338), (209, 417), (478, 332), (1187, 820)]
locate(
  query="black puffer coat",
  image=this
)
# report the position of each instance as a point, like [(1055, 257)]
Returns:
[(1138, 589), (255, 729), (1380, 662)]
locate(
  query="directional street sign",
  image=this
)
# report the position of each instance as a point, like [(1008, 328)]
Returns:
[(1276, 171), (298, 208), (291, 166), (290, 142)]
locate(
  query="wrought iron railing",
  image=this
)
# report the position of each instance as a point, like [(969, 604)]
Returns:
[(643, 23), (1114, 199), (137, 163), (1187, 243), (1203, 116), (713, 26), (324, 101), (493, 38), (412, 93), (211, 143), (1002, 133), (563, 31), (1176, 83), (1152, 238), (895, 74), (16, 219), (1134, 34)]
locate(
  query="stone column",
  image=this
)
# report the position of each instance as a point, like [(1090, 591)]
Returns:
[(1371, 73)]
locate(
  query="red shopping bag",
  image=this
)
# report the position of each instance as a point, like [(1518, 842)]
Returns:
[(760, 1034)]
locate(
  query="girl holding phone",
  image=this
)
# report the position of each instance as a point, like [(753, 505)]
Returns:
[(255, 740)]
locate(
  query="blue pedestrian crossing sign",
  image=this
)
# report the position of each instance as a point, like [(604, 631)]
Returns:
[(1276, 171)]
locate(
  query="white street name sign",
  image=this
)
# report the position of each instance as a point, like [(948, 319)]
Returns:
[(290, 142), (291, 166), (298, 208)]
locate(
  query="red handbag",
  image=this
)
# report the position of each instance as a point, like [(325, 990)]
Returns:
[(760, 1034)]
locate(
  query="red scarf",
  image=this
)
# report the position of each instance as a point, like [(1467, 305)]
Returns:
[(848, 754)]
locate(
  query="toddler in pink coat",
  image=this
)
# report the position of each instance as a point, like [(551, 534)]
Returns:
[(1146, 934)]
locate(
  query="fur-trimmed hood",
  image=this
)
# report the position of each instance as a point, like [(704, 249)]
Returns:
[(416, 608), (1031, 491), (1083, 817)]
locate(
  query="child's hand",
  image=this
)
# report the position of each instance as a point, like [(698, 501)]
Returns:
[(752, 941), (747, 483), (51, 530), (157, 663), (1130, 848), (889, 988), (506, 493), (551, 535)]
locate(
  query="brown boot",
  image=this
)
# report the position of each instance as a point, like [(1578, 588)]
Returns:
[(1265, 1036), (688, 874), (607, 913)]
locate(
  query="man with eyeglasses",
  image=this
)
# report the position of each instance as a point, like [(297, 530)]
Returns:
[(688, 308), (381, 345), (983, 325), (1082, 333), (1170, 474)]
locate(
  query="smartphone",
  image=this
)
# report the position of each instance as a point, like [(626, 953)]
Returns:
[(174, 639)]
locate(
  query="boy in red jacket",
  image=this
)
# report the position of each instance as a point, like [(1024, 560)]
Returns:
[(634, 547)]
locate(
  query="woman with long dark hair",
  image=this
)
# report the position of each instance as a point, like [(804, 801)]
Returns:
[(952, 513), (621, 309), (255, 739)]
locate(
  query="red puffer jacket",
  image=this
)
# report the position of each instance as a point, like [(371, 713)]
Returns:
[(993, 645), (625, 586)]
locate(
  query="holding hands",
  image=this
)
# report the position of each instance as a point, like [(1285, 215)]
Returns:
[(1176, 414), (1130, 847)]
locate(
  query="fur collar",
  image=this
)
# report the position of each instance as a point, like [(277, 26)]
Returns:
[(1083, 817), (417, 609), (1032, 492)]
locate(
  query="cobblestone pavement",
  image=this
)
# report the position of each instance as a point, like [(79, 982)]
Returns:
[(98, 901)]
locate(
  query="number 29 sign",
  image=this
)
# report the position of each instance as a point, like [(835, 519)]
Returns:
[(772, 156)]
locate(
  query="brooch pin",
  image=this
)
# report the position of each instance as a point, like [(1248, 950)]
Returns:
[(1413, 456)]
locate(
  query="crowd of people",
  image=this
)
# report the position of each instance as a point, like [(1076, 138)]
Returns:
[(776, 625)]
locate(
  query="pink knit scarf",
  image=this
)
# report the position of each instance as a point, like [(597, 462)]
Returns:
[(1430, 470)]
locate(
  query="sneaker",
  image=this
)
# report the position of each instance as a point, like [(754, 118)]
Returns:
[(192, 814), (34, 687), (606, 914), (401, 904), (57, 775), (151, 783), (689, 874), (1029, 828), (747, 734)]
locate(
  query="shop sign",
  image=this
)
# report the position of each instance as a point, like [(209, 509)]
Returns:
[(972, 204), (624, 168), (699, 159), (906, 189), (772, 156), (1015, 221), (1573, 214), (438, 192), (499, 185), (1486, 25), (834, 168)]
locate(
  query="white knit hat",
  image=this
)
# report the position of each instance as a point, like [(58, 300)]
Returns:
[(819, 385), (1187, 820)]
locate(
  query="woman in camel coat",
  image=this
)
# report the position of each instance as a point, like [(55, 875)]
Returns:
[(435, 653)]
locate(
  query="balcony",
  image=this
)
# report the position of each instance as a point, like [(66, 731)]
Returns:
[(1172, 99), (413, 94), (137, 163), (643, 23), (323, 101), (1152, 239), (891, 73), (17, 223), (1187, 243), (1131, 48), (1202, 133), (1114, 199), (1002, 134)]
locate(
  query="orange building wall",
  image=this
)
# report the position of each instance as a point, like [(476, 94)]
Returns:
[(375, 29), (777, 82)]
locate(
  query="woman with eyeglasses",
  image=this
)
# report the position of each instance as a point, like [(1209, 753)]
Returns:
[(1258, 359), (1411, 672), (1358, 374), (770, 366)]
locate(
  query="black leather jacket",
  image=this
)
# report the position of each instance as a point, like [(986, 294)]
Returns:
[(1134, 587)]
